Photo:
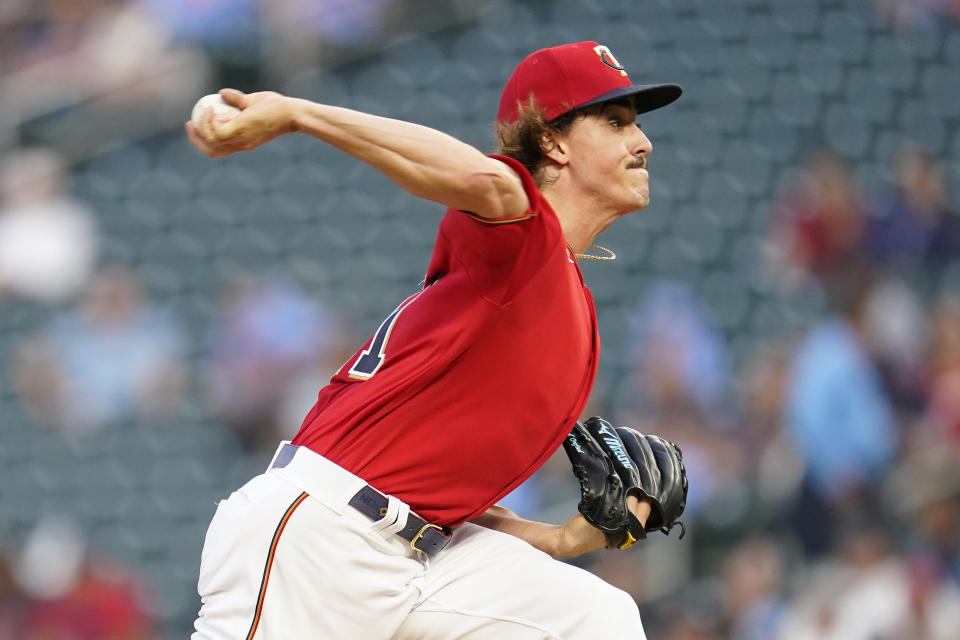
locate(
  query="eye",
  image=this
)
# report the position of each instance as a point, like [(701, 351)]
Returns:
[(616, 123)]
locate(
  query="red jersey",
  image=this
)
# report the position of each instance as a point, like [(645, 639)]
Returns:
[(473, 382)]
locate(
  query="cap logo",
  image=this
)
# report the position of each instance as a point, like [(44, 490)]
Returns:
[(607, 58)]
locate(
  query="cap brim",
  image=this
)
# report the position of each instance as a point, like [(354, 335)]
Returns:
[(648, 96)]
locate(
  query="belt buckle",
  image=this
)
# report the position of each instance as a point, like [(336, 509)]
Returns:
[(423, 529)]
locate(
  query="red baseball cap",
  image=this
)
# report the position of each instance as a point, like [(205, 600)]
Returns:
[(571, 76)]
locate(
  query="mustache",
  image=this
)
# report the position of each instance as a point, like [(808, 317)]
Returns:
[(638, 163)]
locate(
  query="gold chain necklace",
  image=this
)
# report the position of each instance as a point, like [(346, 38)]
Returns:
[(588, 256)]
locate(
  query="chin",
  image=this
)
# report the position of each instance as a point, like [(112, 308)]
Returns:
[(634, 209), (638, 199), (641, 197), (642, 202)]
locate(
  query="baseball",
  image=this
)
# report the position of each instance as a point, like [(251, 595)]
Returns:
[(221, 110)]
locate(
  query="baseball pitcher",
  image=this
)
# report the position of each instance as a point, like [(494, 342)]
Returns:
[(379, 519)]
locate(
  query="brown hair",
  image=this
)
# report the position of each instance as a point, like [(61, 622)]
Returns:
[(527, 140)]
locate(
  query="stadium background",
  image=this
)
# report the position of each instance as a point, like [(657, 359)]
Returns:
[(768, 86)]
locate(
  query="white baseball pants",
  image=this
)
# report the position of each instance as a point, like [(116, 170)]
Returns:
[(285, 557)]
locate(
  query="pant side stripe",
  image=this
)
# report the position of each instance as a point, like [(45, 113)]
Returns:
[(269, 563)]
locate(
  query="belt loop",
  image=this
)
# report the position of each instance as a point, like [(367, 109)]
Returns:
[(401, 513), (283, 455)]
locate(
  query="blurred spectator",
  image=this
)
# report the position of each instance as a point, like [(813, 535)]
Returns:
[(677, 359), (113, 357), (41, 30), (753, 575), (228, 31), (694, 614), (904, 15), (924, 492), (48, 241), (934, 602), (775, 466), (76, 594), (863, 594), (220, 26), (819, 220), (336, 22), (301, 33), (895, 333), (914, 226), (838, 416), (95, 70), (271, 351), (236, 34), (944, 375)]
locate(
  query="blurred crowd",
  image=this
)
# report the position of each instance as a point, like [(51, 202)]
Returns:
[(63, 84)]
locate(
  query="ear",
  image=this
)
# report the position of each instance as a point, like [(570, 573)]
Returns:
[(554, 147)]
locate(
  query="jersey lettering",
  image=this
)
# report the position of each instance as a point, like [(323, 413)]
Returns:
[(371, 359)]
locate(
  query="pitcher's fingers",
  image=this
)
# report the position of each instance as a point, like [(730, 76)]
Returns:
[(194, 137), (202, 144), (234, 97)]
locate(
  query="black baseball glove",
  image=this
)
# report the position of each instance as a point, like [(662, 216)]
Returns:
[(611, 463), (603, 497)]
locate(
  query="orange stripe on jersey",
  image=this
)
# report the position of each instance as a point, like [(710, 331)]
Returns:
[(525, 216), (269, 564)]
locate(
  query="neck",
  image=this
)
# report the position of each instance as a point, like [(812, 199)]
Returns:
[(580, 219)]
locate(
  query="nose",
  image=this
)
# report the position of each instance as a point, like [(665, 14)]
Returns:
[(640, 145)]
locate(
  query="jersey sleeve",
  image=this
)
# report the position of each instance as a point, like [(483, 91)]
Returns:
[(501, 255)]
